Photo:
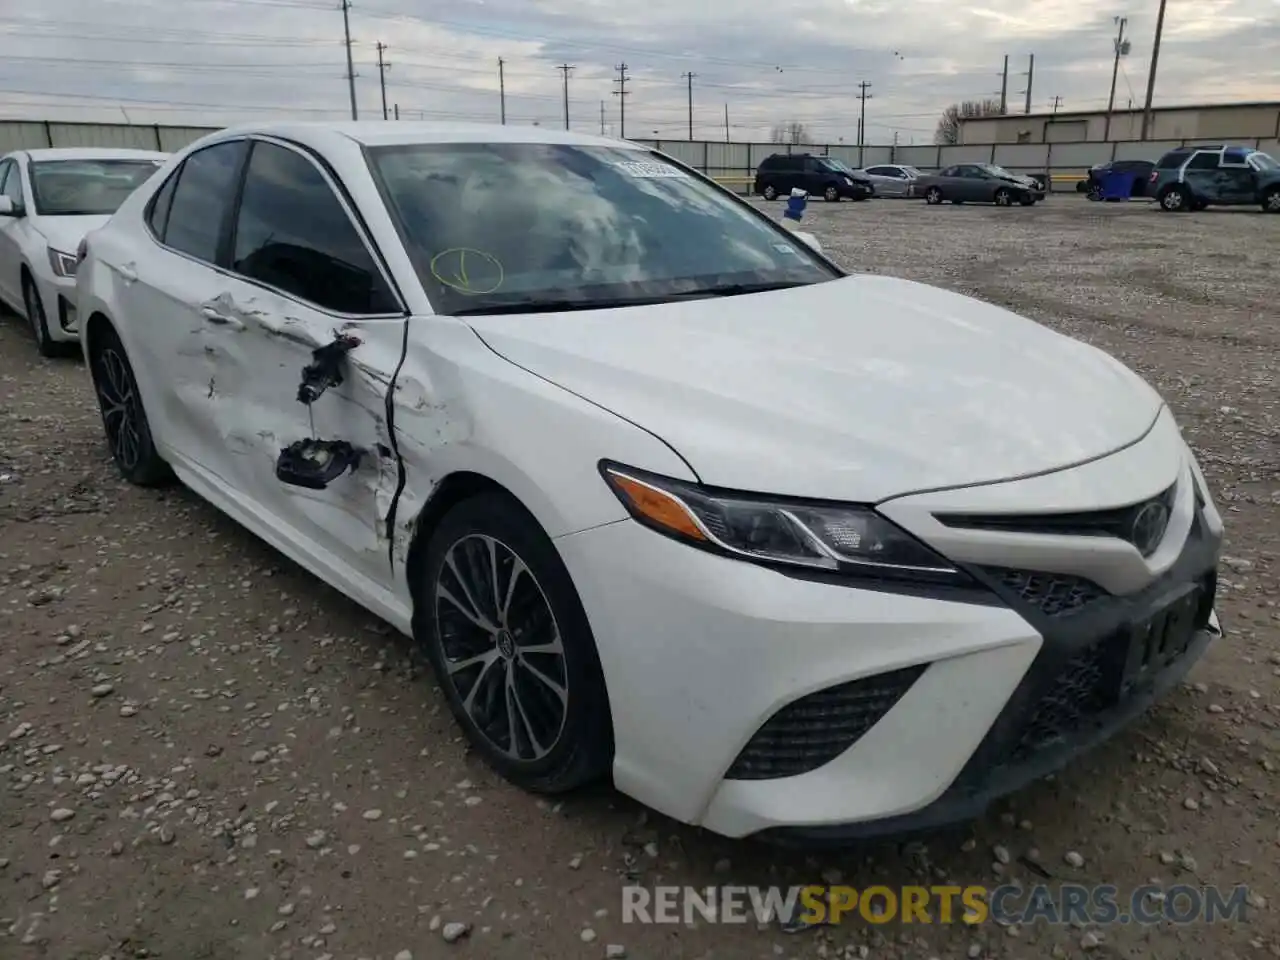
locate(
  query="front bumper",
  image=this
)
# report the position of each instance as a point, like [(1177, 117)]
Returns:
[(724, 678)]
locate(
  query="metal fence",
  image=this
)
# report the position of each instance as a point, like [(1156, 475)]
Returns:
[(732, 163)]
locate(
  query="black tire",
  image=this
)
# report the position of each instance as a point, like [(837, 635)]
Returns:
[(46, 346), (1083, 186), (933, 196), (488, 526), (1271, 200), (831, 194), (1027, 201), (1003, 198), (1176, 198), (124, 420), (1095, 192), (770, 192)]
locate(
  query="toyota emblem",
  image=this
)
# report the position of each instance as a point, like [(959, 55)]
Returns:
[(1148, 527)]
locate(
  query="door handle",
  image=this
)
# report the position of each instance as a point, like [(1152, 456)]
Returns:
[(127, 273), (220, 319)]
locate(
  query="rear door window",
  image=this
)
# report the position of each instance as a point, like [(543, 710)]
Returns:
[(202, 199), (1173, 160), (1204, 161)]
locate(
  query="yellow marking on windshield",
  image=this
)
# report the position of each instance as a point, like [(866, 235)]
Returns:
[(456, 267)]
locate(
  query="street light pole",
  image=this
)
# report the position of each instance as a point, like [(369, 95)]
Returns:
[(1115, 71)]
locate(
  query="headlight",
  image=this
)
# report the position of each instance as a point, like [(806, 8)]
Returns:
[(63, 264), (848, 181), (837, 538)]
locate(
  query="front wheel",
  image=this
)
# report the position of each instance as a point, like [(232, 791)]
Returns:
[(831, 195), (1028, 201), (1175, 199), (1003, 198), (1095, 192), (506, 633), (46, 346), (933, 196), (1271, 200), (123, 418)]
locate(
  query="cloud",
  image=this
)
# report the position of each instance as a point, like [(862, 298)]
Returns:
[(213, 62)]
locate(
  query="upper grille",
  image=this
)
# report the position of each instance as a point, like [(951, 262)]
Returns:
[(814, 730), (1052, 594), (1121, 522)]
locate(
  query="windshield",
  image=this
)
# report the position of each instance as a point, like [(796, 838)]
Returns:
[(1264, 161), (505, 227), (912, 171), (837, 165), (995, 171), (77, 187)]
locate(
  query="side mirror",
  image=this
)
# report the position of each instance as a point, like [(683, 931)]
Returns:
[(7, 209), (808, 238)]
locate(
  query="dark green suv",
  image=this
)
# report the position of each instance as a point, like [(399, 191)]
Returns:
[(1192, 178)]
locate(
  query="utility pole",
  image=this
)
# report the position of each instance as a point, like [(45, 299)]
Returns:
[(1151, 77), (689, 77), (397, 108), (622, 93), (1121, 49), (1030, 75), (566, 69), (383, 67), (351, 70), (502, 94), (1004, 87), (1057, 102), (726, 123), (863, 87), (602, 118)]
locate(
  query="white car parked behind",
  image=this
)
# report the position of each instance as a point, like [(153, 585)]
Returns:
[(662, 492), (49, 200)]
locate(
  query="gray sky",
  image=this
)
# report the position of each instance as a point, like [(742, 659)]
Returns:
[(213, 62)]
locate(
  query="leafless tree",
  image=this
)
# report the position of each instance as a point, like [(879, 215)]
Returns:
[(949, 123), (793, 132)]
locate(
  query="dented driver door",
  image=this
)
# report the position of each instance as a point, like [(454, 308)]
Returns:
[(301, 339)]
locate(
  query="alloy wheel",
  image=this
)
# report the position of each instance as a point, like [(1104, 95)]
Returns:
[(1272, 201), (831, 194), (118, 398), (35, 314), (1172, 200), (1003, 198), (934, 195), (501, 647)]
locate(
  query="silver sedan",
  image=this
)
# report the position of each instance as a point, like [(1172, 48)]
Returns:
[(892, 179)]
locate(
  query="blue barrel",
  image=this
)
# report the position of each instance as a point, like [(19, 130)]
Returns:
[(1118, 184)]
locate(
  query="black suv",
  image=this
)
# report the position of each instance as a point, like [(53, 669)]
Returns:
[(822, 177), (1092, 183)]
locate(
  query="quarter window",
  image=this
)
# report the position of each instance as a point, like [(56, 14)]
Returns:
[(201, 199), (160, 204), (293, 234)]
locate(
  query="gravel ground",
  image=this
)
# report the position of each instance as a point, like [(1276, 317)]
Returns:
[(207, 753)]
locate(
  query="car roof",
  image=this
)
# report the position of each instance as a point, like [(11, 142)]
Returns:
[(382, 133), (93, 153)]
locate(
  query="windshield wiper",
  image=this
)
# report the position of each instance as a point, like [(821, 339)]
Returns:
[(737, 289), (555, 306)]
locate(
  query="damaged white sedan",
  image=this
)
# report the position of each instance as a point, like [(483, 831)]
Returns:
[(662, 493)]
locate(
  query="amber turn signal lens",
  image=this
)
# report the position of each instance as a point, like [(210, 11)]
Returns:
[(657, 506)]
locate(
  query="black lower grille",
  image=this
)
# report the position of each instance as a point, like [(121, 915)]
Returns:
[(1076, 695), (1051, 594), (814, 730)]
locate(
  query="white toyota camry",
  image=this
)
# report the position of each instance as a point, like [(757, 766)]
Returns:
[(49, 199), (662, 493)]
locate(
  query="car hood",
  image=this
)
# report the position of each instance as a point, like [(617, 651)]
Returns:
[(65, 233), (856, 389)]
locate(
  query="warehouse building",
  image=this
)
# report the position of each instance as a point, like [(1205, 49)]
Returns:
[(1219, 121)]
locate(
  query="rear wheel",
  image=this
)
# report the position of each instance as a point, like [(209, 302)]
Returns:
[(933, 196), (506, 633), (1003, 198), (1175, 199), (123, 418), (1094, 191), (831, 195), (770, 192), (1271, 200)]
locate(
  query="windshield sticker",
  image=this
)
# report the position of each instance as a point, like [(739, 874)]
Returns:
[(784, 248), (468, 271), (649, 170)]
